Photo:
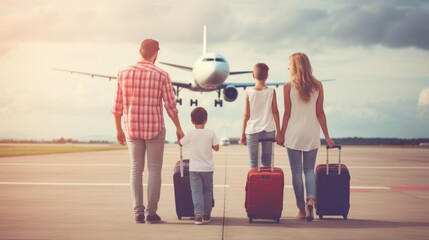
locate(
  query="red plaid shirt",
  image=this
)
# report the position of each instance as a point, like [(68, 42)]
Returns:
[(139, 95)]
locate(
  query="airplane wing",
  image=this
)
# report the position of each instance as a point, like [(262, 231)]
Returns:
[(177, 66), (277, 84), (240, 72), (178, 84), (85, 73), (182, 85), (245, 85)]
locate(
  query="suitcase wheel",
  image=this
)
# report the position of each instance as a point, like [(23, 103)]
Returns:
[(179, 217), (250, 219), (321, 217), (277, 220), (345, 217)]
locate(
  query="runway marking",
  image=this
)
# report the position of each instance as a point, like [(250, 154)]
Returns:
[(411, 188), (353, 188), (166, 166), (66, 164)]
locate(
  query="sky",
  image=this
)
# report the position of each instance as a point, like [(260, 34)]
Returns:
[(377, 52)]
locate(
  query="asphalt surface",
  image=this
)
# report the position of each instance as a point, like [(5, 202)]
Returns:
[(87, 196)]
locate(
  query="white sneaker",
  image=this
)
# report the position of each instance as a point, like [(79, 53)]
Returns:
[(198, 220), (207, 219)]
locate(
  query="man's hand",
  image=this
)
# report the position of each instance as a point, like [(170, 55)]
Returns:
[(120, 136), (180, 135)]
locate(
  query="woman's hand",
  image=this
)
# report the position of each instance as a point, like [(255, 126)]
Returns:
[(330, 142), (280, 140)]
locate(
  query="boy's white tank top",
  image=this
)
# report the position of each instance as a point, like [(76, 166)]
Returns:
[(261, 114), (303, 129)]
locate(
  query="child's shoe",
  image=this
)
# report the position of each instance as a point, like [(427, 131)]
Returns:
[(207, 218), (198, 220)]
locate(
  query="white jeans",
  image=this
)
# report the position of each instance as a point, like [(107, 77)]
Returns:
[(155, 153)]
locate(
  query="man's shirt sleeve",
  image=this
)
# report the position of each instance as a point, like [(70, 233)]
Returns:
[(118, 106)]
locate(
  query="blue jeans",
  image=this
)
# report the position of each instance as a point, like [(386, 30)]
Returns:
[(299, 161), (202, 192), (267, 148)]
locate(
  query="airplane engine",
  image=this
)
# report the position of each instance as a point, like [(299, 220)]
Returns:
[(230, 93)]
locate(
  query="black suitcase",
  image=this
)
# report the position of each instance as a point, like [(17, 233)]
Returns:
[(182, 189), (332, 188)]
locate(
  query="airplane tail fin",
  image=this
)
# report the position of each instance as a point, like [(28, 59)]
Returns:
[(204, 40)]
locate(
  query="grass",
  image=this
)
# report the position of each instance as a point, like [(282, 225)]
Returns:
[(35, 149)]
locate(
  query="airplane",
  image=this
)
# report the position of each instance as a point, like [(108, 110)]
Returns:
[(210, 72)]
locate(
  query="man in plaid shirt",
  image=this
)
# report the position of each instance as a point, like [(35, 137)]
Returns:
[(141, 90)]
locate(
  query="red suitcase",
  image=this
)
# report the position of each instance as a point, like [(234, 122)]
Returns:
[(264, 191)]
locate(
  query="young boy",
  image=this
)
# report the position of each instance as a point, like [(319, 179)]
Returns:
[(261, 117), (201, 165)]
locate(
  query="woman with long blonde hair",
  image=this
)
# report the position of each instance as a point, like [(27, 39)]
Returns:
[(300, 133)]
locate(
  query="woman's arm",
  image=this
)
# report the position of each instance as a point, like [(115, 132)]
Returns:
[(276, 116), (322, 117), (287, 111)]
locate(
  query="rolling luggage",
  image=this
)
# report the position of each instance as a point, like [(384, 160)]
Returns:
[(332, 188), (264, 191), (182, 189)]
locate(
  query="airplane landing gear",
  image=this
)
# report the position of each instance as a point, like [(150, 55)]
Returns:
[(176, 92), (192, 102), (218, 102)]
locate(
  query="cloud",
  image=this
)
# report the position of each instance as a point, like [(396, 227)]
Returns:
[(127, 21), (393, 24), (423, 105), (424, 98), (377, 119)]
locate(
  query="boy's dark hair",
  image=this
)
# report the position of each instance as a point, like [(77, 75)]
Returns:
[(198, 115), (260, 71)]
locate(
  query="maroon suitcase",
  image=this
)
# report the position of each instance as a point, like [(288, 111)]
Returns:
[(332, 188), (264, 191)]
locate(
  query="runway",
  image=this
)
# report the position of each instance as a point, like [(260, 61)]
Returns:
[(87, 196)]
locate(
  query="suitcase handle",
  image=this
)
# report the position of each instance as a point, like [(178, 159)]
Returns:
[(181, 162), (339, 158), (272, 153), (336, 146)]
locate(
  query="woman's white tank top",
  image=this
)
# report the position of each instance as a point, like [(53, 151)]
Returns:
[(303, 129)]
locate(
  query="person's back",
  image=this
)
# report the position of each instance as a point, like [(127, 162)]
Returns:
[(302, 119), (143, 87), (200, 149), (303, 128), (139, 95), (201, 165), (261, 116)]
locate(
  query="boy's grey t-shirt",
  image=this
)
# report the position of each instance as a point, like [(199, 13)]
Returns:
[(201, 153)]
